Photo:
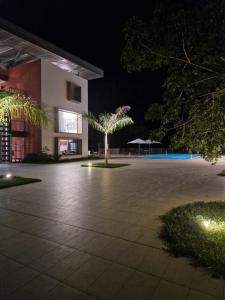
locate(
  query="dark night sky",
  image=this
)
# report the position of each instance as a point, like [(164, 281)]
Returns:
[(99, 40)]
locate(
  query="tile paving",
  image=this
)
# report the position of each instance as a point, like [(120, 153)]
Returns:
[(92, 233)]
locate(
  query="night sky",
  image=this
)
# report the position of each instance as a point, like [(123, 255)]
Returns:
[(99, 40)]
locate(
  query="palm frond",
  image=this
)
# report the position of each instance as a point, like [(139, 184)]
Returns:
[(19, 106), (94, 122), (104, 119), (110, 122), (120, 123), (122, 110), (7, 92)]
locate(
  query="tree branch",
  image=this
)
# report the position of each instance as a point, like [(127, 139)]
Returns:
[(180, 60), (185, 53)]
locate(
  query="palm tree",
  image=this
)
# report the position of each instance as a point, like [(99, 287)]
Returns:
[(13, 104), (108, 123)]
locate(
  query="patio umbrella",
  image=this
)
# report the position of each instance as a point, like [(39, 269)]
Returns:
[(139, 142), (149, 142)]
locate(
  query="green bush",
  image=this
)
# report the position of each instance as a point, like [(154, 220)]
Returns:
[(40, 157), (43, 157), (197, 231)]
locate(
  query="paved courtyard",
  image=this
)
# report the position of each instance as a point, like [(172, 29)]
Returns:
[(86, 233)]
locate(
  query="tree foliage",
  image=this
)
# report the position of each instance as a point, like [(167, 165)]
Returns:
[(108, 123), (186, 41), (17, 105)]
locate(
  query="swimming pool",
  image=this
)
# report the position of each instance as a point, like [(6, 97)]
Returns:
[(171, 156)]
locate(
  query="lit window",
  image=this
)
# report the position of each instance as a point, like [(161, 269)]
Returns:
[(70, 122), (69, 146)]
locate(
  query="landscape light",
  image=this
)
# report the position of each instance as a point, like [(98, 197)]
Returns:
[(89, 164), (213, 225), (206, 223), (8, 175)]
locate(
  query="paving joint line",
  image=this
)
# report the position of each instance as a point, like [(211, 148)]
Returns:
[(87, 229)]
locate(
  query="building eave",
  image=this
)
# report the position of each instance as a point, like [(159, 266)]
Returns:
[(20, 46)]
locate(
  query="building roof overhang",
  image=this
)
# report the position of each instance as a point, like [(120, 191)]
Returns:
[(18, 46)]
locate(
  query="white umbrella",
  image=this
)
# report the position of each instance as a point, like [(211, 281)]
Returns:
[(137, 141), (149, 142)]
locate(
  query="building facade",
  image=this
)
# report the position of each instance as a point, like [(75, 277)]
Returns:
[(52, 78)]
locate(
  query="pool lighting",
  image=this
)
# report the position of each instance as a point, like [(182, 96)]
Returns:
[(8, 175), (89, 164)]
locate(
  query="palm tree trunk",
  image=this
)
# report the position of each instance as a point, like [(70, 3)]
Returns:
[(106, 149)]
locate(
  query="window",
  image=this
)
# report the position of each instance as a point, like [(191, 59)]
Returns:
[(73, 92), (69, 122), (69, 146)]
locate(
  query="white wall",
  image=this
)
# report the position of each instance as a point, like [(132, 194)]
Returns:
[(53, 94)]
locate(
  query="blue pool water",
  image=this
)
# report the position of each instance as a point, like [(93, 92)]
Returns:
[(171, 156)]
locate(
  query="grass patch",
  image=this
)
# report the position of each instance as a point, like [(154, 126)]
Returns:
[(197, 231), (15, 180), (103, 165), (222, 173)]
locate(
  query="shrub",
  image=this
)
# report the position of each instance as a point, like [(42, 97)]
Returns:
[(197, 231), (40, 157)]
